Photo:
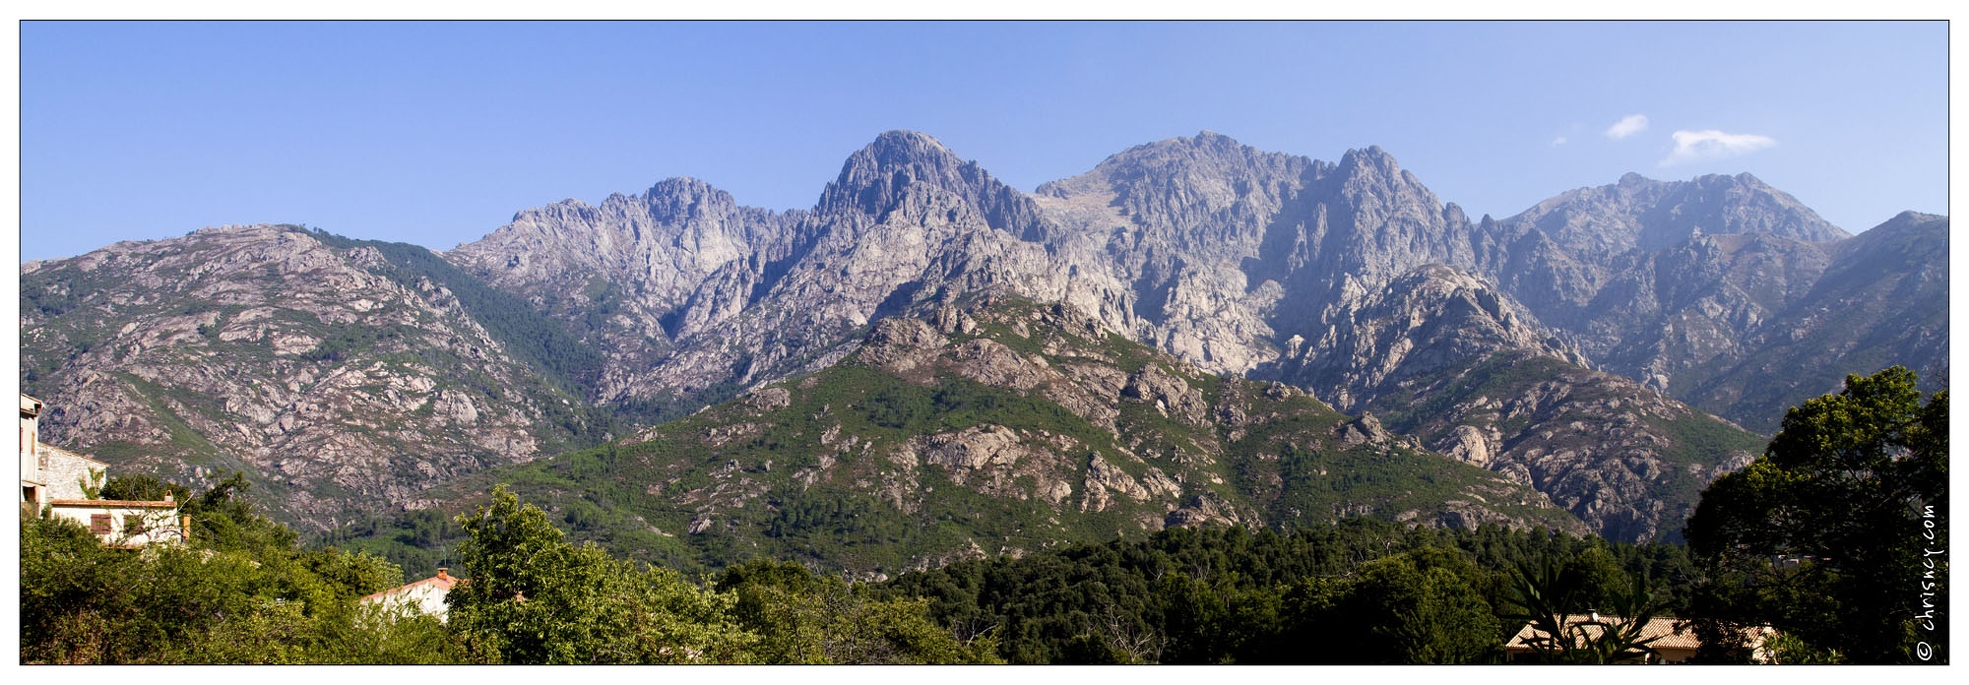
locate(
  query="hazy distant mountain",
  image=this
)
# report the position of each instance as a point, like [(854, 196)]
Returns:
[(1551, 347), (1881, 300)]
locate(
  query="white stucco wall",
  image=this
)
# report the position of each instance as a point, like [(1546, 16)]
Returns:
[(425, 596), (160, 524)]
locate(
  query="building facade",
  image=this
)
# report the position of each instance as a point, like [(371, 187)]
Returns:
[(57, 482), (125, 523), (426, 596)]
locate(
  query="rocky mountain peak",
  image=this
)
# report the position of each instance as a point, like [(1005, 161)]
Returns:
[(1371, 163), (898, 149), (909, 153), (1913, 217), (874, 178), (683, 198), (1421, 322), (673, 200), (1372, 154), (1212, 140), (1228, 258), (1208, 155), (1928, 230), (1597, 224), (902, 170)]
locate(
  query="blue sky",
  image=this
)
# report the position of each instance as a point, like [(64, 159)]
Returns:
[(436, 133)]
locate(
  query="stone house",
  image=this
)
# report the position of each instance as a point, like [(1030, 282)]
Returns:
[(52, 481), (48, 472)]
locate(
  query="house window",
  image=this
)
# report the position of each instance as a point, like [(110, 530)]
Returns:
[(133, 524), (99, 524)]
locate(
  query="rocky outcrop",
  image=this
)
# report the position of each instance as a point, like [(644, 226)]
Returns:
[(1024, 432), (1440, 355), (637, 272), (339, 390), (1168, 393), (1429, 321)]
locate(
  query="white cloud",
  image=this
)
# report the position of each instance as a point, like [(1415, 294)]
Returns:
[(1561, 140), (1627, 126), (1712, 144)]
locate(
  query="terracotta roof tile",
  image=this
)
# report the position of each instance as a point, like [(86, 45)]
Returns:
[(440, 582), (115, 503)]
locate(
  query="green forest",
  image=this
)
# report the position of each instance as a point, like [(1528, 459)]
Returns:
[(1829, 538)]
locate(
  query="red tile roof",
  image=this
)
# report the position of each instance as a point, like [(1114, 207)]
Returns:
[(115, 503), (442, 581)]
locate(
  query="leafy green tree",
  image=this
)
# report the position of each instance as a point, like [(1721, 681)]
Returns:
[(142, 486), (1358, 591), (531, 597), (1825, 536), (92, 486), (245, 595), (803, 618), (1421, 608), (224, 517), (1224, 620)]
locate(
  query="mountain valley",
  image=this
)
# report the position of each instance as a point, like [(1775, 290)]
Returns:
[(931, 365)]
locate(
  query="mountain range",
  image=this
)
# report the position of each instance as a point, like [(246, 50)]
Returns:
[(1194, 331)]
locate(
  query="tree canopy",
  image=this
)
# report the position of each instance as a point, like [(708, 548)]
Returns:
[(535, 598), (241, 592), (1831, 535)]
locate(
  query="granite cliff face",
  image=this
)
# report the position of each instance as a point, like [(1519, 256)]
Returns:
[(712, 298), (636, 273), (1468, 373), (262, 349), (1229, 254), (1652, 279), (1881, 300), (1553, 348)]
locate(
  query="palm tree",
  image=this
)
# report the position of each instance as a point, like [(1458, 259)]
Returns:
[(1559, 637)]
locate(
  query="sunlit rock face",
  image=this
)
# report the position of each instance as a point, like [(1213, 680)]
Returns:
[(351, 376)]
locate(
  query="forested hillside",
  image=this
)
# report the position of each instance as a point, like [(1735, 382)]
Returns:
[(245, 592), (1356, 591)]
